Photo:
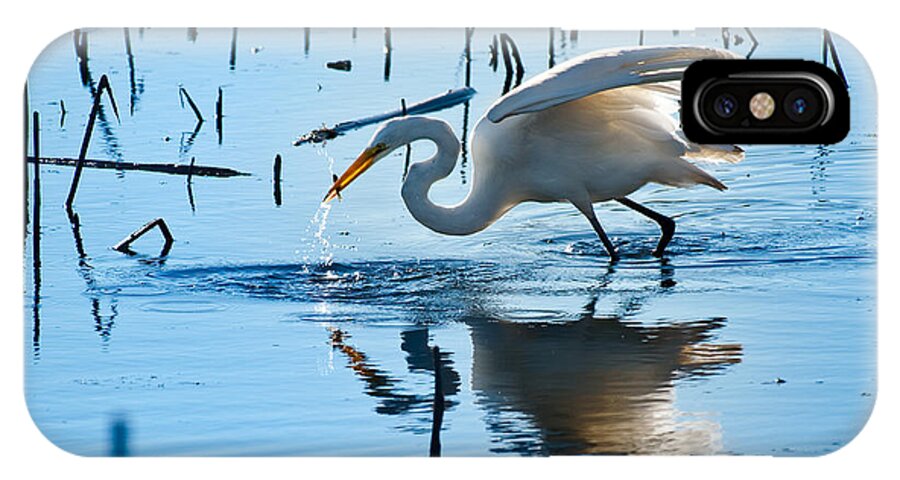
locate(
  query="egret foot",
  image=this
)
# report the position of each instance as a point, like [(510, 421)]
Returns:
[(666, 224)]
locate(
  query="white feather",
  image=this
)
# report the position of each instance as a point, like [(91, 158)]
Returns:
[(600, 71)]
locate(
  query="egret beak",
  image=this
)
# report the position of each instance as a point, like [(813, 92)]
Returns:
[(366, 159)]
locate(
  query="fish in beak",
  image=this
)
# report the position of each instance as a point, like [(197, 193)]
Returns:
[(365, 160)]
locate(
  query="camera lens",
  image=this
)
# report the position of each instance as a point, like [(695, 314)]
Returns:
[(801, 105), (725, 105)]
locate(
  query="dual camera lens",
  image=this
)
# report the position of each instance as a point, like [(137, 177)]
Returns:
[(799, 105), (763, 101)]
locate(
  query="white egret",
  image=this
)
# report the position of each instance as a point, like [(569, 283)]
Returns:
[(593, 129)]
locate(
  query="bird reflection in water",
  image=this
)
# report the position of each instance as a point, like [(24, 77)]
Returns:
[(595, 385)]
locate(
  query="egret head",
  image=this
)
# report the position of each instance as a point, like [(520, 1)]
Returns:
[(390, 136)]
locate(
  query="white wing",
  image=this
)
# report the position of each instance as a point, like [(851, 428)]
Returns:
[(599, 71)]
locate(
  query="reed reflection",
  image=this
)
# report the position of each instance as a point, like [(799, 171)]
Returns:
[(395, 398), (36, 232)]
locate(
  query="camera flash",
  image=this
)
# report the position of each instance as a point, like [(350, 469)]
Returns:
[(762, 106)]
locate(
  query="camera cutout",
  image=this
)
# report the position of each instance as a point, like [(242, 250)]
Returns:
[(763, 101)]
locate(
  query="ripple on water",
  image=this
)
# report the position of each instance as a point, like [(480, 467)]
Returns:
[(534, 315), (133, 291), (398, 281), (182, 306)]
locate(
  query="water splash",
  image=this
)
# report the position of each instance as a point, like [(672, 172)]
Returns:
[(320, 250), (321, 240)]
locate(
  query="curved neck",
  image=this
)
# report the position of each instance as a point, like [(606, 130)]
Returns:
[(481, 207)]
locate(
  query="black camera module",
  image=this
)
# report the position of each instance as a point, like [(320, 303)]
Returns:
[(801, 105), (805, 102), (725, 105)]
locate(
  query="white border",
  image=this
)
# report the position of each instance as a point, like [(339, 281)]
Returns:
[(870, 26)]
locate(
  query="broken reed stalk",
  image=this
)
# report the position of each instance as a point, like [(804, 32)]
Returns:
[(128, 46), (388, 49), (494, 53), (509, 49), (132, 84), (25, 140), (408, 146), (219, 104), (825, 47), (641, 38), (468, 55), (464, 142), (36, 203), (79, 241), (81, 53), (168, 168), (437, 418), (353, 33), (219, 115), (190, 174), (573, 36), (184, 93), (102, 86), (726, 35), (306, 33), (80, 40), (439, 102), (232, 59), (753, 39), (276, 173), (551, 54), (520, 67), (189, 182), (118, 432), (834, 57), (124, 245), (62, 113), (507, 61)]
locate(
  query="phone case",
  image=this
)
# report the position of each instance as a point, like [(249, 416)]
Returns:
[(538, 264)]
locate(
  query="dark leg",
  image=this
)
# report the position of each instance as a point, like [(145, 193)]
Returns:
[(588, 211), (666, 224)]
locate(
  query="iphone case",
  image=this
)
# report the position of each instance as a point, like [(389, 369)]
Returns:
[(188, 292)]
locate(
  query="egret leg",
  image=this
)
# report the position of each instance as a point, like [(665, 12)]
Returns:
[(666, 224), (588, 211)]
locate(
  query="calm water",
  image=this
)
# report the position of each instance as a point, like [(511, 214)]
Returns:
[(306, 330)]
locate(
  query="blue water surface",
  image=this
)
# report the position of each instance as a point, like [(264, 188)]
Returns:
[(301, 329)]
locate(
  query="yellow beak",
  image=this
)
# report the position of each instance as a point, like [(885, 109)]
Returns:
[(366, 159)]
